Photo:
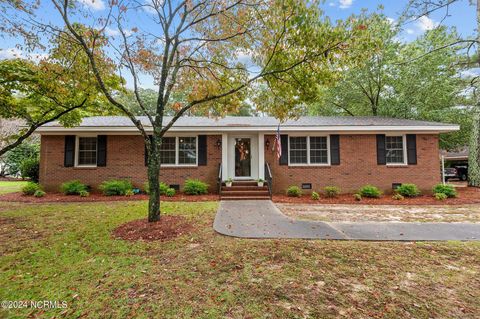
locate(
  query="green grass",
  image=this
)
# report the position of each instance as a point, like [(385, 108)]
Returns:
[(11, 186), (65, 252)]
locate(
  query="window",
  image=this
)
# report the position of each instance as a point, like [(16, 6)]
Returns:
[(187, 150), (395, 149), (167, 150), (87, 151), (318, 150), (298, 150), (308, 150), (180, 150)]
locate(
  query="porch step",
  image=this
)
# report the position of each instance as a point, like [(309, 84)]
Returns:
[(244, 188), (257, 192), (245, 197), (244, 183)]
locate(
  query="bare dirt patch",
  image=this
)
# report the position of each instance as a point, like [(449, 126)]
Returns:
[(382, 213), (98, 197), (466, 195), (13, 234), (168, 227)]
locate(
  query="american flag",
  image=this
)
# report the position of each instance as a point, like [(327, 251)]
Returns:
[(277, 145)]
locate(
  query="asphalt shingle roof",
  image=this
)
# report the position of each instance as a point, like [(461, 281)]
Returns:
[(232, 121)]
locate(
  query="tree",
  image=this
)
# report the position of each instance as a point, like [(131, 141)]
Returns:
[(190, 51), (426, 89), (60, 87)]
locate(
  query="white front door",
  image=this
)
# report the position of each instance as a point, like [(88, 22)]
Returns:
[(243, 157)]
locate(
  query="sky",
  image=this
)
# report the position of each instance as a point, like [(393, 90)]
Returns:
[(461, 16)]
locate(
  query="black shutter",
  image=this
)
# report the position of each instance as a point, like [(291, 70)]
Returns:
[(335, 149), (284, 158), (69, 156), (102, 150), (412, 149), (381, 152), (202, 150)]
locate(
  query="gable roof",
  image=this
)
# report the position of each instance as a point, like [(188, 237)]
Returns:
[(266, 124)]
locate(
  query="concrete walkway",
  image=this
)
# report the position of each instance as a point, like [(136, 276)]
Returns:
[(262, 219)]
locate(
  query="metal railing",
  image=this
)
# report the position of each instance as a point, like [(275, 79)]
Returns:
[(219, 180), (268, 178)]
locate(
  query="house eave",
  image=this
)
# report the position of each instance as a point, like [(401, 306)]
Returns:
[(431, 129)]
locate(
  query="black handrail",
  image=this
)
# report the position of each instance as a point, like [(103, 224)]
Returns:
[(268, 178), (219, 181)]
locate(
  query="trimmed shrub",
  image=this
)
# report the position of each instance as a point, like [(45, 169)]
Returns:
[(162, 187), (370, 191), (116, 187), (30, 188), (30, 168), (357, 197), (398, 196), (170, 192), (84, 194), (39, 193), (331, 191), (315, 196), (448, 190), (195, 187), (73, 187), (408, 190), (440, 196), (294, 191)]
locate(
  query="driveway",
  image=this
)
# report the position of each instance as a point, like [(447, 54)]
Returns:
[(262, 219)]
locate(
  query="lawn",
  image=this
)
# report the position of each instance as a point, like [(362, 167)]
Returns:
[(10, 186), (65, 252)]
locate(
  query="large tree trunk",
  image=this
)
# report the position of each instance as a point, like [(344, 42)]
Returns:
[(474, 147), (154, 180)]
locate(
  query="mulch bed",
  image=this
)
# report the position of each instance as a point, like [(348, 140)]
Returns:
[(466, 195), (98, 197), (167, 228)]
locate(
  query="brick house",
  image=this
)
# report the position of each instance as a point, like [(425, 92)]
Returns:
[(347, 152)]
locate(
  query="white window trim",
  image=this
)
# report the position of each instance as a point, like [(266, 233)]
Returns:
[(77, 153), (177, 152), (404, 145), (308, 150)]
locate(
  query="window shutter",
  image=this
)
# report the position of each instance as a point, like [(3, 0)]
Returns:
[(69, 156), (102, 150), (412, 149), (284, 158), (202, 150), (335, 149), (381, 152)]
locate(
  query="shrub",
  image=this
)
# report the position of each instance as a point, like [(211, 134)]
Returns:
[(170, 192), (370, 191), (13, 159), (294, 191), (357, 197), (162, 187), (440, 196), (408, 190), (73, 187), (315, 196), (84, 194), (195, 187), (398, 196), (30, 168), (39, 193), (331, 191), (30, 188), (448, 190), (129, 192), (116, 187)]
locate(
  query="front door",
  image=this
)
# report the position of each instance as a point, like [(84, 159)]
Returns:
[(243, 157)]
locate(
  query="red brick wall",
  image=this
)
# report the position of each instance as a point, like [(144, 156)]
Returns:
[(358, 166), (125, 160)]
